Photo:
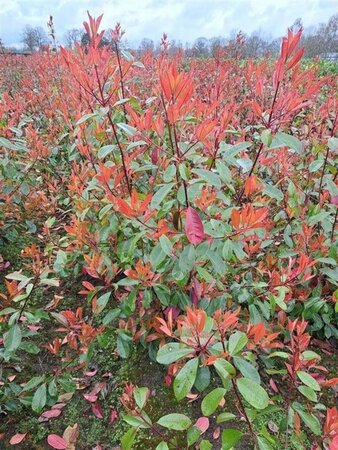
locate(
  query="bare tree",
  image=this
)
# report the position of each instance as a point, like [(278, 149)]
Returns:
[(216, 44), (174, 47), (146, 45), (201, 47), (73, 36), (329, 35), (321, 40), (34, 38)]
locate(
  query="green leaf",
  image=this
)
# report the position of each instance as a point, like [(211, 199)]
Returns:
[(290, 141), (157, 256), (30, 347), (140, 396), (202, 378), (211, 401), (128, 438), (310, 354), (205, 445), (204, 274), (137, 422), (193, 434), (12, 339), (211, 178), (172, 352), (86, 117), (7, 144), (166, 245), (185, 379), (6, 311), (160, 195), (217, 262), (17, 276), (105, 151), (102, 302), (316, 165), (247, 369), (320, 217), (230, 437), (187, 259), (228, 250), (309, 419), (130, 131), (224, 369), (273, 192), (174, 421), (39, 398), (169, 173), (245, 164), (308, 380), (253, 393), (162, 446), (52, 389), (124, 342), (263, 444), (32, 383), (224, 172), (237, 341), (308, 393), (225, 417)]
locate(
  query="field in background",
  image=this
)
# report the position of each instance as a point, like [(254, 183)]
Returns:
[(168, 250)]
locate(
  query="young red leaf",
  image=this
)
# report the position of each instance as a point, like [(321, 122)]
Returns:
[(194, 227), (57, 442), (17, 438)]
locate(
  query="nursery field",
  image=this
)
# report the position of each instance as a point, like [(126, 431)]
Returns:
[(168, 250)]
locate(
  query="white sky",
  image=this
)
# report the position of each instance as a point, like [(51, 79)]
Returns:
[(183, 20)]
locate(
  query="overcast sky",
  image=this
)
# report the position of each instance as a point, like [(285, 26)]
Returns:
[(183, 20)]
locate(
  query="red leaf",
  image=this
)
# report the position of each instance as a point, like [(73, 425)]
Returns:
[(273, 385), (330, 382), (17, 438), (216, 433), (195, 292), (124, 208), (98, 387), (194, 227), (49, 414), (202, 424), (91, 373), (59, 406), (56, 441), (113, 415), (334, 443), (168, 380), (97, 410), (90, 398)]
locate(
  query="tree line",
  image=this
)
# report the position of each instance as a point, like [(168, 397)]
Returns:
[(318, 40)]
